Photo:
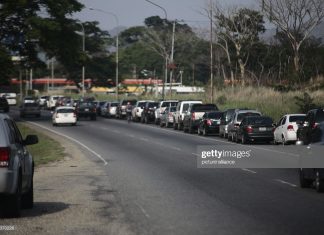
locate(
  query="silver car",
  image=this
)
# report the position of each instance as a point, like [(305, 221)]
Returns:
[(16, 168)]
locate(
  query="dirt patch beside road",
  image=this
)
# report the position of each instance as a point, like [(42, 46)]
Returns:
[(72, 196)]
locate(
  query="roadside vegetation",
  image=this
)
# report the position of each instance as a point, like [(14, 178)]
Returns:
[(47, 150)]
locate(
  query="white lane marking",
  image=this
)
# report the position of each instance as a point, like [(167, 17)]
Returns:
[(130, 135), (117, 132), (285, 182), (144, 139), (248, 170), (143, 210), (74, 140)]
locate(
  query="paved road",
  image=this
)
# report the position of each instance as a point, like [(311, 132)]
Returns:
[(155, 178)]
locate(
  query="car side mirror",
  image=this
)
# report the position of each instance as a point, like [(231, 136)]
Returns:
[(31, 139)]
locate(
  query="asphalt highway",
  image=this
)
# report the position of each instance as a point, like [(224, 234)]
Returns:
[(154, 175)]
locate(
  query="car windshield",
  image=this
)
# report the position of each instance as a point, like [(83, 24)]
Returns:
[(296, 118)]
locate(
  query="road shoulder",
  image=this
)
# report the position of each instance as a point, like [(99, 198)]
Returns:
[(72, 196)]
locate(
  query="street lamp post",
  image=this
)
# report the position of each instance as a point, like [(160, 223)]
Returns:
[(166, 56), (117, 44)]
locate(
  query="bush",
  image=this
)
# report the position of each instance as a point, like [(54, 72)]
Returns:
[(305, 103)]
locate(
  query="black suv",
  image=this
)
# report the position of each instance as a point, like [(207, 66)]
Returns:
[(309, 131), (86, 109), (148, 114), (4, 106)]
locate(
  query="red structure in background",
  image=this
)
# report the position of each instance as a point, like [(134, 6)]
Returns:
[(145, 82), (45, 81)]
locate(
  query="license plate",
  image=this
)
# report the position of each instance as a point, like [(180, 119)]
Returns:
[(87, 110), (262, 129)]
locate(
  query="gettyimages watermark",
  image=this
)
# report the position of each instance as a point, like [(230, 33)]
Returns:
[(241, 156)]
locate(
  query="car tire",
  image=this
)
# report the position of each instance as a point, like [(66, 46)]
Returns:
[(175, 125), (205, 132), (229, 137), (161, 124), (303, 182), (146, 120), (190, 129), (243, 140), (319, 182), (28, 198)]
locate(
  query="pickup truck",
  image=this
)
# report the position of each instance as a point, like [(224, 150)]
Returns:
[(16, 169), (182, 108), (194, 114)]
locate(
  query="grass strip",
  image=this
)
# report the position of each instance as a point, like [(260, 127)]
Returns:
[(47, 150)]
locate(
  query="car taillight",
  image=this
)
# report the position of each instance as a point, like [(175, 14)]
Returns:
[(249, 129), (4, 156), (315, 125), (193, 116), (290, 128), (209, 122)]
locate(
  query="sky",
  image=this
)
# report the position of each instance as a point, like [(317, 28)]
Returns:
[(133, 12)]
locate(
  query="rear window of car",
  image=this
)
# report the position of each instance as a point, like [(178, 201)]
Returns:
[(31, 105), (296, 118), (173, 109), (216, 115), (113, 104), (167, 104), (65, 111), (260, 121), (203, 107), (241, 116), (152, 105)]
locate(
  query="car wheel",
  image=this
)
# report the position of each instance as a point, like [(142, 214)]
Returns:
[(146, 120), (180, 126), (205, 133), (243, 140), (190, 129), (319, 182), (74, 124), (304, 183), (161, 124), (229, 137), (175, 125), (28, 198), (283, 140)]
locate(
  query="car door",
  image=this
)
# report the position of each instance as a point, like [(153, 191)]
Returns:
[(20, 151)]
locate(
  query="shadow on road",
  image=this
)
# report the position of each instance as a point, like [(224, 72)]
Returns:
[(42, 208)]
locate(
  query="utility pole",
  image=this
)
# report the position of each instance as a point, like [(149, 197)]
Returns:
[(171, 57), (211, 53)]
